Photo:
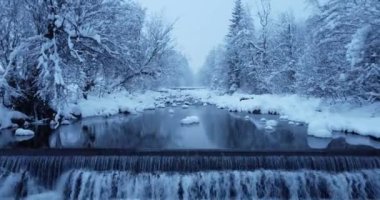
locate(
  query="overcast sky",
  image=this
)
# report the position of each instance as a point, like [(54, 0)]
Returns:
[(203, 24)]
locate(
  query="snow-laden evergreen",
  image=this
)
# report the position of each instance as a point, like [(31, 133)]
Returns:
[(333, 55)]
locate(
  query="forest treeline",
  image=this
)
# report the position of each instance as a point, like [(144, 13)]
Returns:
[(334, 54)]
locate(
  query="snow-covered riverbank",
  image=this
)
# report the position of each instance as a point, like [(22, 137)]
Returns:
[(322, 119)]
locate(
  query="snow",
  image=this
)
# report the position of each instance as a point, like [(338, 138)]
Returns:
[(171, 111), (271, 123), (1, 69), (269, 128), (6, 116), (190, 120), (322, 117), (356, 49), (24, 132), (65, 122)]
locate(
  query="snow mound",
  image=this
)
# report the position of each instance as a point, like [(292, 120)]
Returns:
[(319, 129), (171, 111), (269, 128), (185, 106), (190, 120), (24, 132), (6, 116), (271, 123), (284, 117), (247, 117), (65, 122)]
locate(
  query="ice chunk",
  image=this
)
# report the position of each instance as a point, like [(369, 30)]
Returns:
[(24, 132), (190, 120), (272, 123)]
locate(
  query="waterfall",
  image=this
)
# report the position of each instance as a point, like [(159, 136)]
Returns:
[(259, 184), (17, 184), (192, 176), (48, 168)]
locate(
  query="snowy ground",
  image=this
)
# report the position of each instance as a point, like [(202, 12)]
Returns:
[(323, 119)]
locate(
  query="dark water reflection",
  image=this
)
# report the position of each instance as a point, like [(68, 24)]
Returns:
[(158, 129)]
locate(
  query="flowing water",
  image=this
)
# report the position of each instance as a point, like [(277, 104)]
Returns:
[(152, 156)]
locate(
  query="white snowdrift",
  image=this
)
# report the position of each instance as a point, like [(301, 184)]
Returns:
[(322, 118), (24, 132), (190, 120), (6, 115)]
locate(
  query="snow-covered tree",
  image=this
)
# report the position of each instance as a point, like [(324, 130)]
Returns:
[(333, 65), (363, 53), (214, 73), (77, 42), (286, 51), (240, 51)]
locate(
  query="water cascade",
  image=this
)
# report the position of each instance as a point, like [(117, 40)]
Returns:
[(192, 175)]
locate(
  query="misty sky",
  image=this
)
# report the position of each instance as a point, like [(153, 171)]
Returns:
[(203, 24)]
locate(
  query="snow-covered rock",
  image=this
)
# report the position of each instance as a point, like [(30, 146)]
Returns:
[(185, 106), (269, 128), (284, 117), (171, 111), (247, 117), (319, 129), (263, 120), (190, 120), (271, 123), (7, 115), (24, 132), (65, 122), (291, 123), (76, 111)]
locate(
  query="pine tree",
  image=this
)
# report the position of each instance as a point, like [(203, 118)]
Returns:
[(239, 50), (285, 55)]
